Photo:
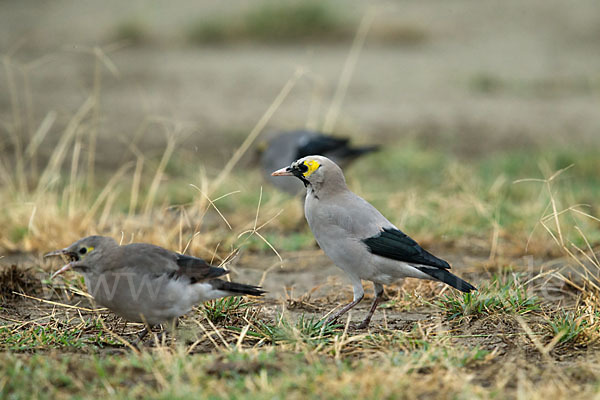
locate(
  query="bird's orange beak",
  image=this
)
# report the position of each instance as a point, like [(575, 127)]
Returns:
[(61, 252), (63, 269), (285, 171), (56, 253)]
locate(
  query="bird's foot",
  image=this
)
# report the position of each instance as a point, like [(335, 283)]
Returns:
[(364, 324), (140, 339), (160, 336), (361, 326)]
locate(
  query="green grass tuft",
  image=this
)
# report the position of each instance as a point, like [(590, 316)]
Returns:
[(503, 294), (569, 325), (55, 336), (132, 31), (310, 331), (225, 308), (273, 21)]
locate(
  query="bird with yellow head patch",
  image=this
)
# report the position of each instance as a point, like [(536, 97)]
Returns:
[(145, 283), (282, 148), (301, 169), (358, 238)]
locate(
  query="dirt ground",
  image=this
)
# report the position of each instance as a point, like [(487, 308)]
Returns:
[(310, 286), (307, 283), (487, 76), (513, 346)]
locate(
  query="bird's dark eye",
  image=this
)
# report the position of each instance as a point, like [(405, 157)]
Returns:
[(82, 250), (302, 167)]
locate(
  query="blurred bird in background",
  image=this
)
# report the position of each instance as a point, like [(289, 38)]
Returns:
[(285, 147)]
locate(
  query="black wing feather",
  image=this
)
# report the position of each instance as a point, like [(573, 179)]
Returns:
[(320, 144), (339, 147), (395, 244), (197, 269)]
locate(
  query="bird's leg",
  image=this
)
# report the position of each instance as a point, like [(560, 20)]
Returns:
[(141, 336), (169, 326), (143, 333), (359, 293), (378, 294), (344, 310), (160, 336)]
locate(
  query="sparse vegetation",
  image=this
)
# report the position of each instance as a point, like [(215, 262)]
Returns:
[(285, 345), (296, 21), (530, 331), (55, 334), (225, 308), (306, 330), (502, 294), (567, 326), (267, 353), (131, 31), (273, 21)]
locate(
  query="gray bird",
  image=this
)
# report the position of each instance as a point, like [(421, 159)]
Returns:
[(358, 238), (145, 283), (286, 147)]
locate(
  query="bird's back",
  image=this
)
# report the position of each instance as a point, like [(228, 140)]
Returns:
[(346, 212), (147, 258)]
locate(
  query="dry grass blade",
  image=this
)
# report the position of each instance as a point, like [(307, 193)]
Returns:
[(105, 59), (108, 189), (53, 167), (40, 134), (106, 212), (212, 202), (595, 261), (555, 214), (575, 210), (544, 350), (71, 192), (348, 70), (255, 229), (590, 278), (57, 303), (260, 125), (151, 197), (135, 186), (241, 337), (209, 336), (121, 339)]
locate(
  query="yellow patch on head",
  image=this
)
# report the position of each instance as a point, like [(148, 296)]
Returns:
[(90, 248), (312, 167)]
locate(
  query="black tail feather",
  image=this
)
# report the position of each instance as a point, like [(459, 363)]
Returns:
[(237, 288), (448, 278)]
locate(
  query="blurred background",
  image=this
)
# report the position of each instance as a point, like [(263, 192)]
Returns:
[(460, 94), (470, 76)]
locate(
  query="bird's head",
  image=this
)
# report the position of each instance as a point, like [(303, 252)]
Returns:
[(84, 255), (313, 170)]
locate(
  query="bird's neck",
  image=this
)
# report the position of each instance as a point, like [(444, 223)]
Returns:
[(319, 189)]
